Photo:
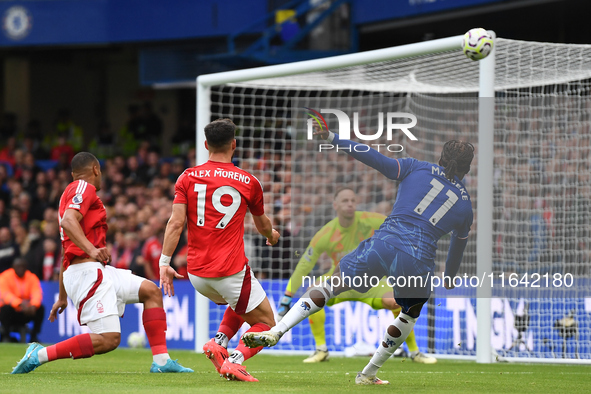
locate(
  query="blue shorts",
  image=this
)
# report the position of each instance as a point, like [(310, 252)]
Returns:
[(374, 257)]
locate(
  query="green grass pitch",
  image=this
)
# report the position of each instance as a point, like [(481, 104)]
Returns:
[(126, 371)]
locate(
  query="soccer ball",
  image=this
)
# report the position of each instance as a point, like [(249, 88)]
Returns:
[(136, 340), (477, 44)]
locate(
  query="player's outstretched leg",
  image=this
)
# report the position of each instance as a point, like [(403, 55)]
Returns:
[(415, 354), (80, 346), (260, 319), (393, 338), (154, 319), (232, 369), (216, 348), (311, 302)]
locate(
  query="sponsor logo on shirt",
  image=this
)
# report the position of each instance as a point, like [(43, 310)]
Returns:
[(99, 307)]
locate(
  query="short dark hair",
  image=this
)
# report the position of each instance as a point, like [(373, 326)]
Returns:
[(340, 189), (82, 160), (220, 133), (456, 158)]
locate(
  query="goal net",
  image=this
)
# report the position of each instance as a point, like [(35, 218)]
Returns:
[(540, 184)]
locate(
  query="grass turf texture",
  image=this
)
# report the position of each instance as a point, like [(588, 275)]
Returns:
[(126, 370)]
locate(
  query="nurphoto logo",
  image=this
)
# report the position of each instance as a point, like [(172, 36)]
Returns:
[(344, 128)]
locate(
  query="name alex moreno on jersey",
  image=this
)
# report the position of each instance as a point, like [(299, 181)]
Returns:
[(220, 173)]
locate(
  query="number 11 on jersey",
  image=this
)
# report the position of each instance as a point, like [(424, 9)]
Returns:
[(216, 201), (452, 198)]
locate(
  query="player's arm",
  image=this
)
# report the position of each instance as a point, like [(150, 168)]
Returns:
[(392, 168), (454, 257), (71, 226), (265, 228), (172, 234), (459, 240)]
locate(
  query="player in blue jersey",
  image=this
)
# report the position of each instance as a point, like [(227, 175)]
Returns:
[(431, 202)]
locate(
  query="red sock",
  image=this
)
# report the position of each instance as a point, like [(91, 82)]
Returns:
[(246, 351), (231, 323), (76, 347), (155, 327)]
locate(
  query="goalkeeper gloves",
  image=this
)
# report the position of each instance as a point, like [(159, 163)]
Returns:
[(284, 307)]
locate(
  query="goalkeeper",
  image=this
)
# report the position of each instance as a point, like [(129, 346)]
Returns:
[(337, 238)]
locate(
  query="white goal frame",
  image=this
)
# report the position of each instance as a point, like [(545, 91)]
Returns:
[(485, 156)]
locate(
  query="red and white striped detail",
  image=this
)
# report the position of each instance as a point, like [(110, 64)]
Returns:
[(81, 188), (99, 280), (242, 304)]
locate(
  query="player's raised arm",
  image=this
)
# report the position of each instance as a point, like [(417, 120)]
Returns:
[(391, 168), (172, 234)]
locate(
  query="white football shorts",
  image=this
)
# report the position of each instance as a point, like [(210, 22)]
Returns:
[(241, 291), (98, 291)]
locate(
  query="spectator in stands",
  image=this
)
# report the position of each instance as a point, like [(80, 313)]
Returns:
[(9, 250), (4, 189), (153, 232), (62, 152), (20, 299), (32, 140), (4, 218), (35, 253), (51, 259), (151, 167), (21, 239), (24, 207), (7, 153), (39, 202), (127, 252)]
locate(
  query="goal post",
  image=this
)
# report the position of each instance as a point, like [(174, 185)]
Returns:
[(526, 108), (486, 129)]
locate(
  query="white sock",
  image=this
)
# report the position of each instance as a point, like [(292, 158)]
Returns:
[(323, 348), (414, 353), (221, 339), (405, 324), (236, 357), (161, 359), (302, 309), (42, 354)]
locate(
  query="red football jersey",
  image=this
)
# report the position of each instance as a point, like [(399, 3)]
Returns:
[(217, 196), (81, 196)]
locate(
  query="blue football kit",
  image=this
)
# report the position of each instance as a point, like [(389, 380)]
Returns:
[(428, 206)]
